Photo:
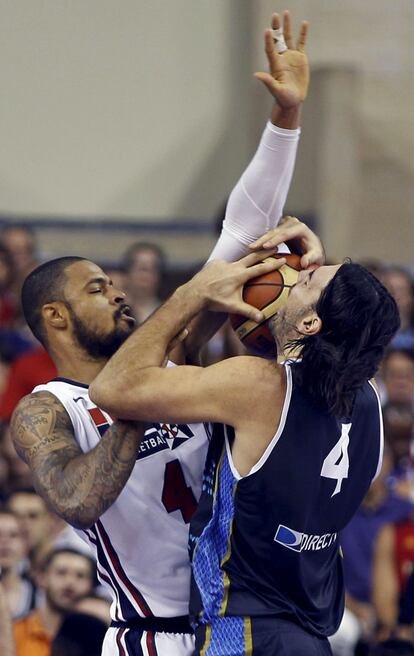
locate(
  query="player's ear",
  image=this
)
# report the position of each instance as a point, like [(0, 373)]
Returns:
[(55, 315), (309, 324)]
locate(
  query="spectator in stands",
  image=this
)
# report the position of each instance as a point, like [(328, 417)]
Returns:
[(379, 507), (8, 302), (34, 517), (6, 631), (4, 477), (394, 647), (405, 628), (79, 635), (144, 265), (19, 591), (393, 564), (61, 536), (399, 433), (96, 606), (30, 369), (401, 285), (67, 576), (18, 474), (21, 245), (376, 267), (5, 363), (397, 375), (398, 429)]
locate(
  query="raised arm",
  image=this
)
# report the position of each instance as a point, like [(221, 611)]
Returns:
[(78, 486), (256, 203)]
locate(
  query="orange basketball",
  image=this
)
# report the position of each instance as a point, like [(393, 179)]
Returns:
[(267, 293)]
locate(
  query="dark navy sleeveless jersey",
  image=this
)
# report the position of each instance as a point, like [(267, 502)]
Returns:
[(267, 544)]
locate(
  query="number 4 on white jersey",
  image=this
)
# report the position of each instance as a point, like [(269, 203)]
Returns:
[(336, 463)]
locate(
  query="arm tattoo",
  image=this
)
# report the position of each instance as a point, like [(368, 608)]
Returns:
[(77, 486)]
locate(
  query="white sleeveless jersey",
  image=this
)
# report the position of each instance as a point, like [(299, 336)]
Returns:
[(141, 541)]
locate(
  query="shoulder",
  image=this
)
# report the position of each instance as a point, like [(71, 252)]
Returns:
[(36, 417), (254, 366), (368, 398), (35, 402), (249, 374), (254, 381)]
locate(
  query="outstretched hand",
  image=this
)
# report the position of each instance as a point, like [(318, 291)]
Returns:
[(293, 232), (221, 283), (288, 77)]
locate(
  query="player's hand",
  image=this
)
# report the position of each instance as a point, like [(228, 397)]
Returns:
[(298, 237), (221, 283), (288, 77)]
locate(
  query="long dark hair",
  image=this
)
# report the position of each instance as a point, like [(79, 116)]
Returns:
[(359, 318)]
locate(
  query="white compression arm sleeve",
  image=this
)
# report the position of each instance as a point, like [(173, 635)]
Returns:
[(256, 203)]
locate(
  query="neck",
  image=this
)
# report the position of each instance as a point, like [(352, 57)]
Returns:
[(75, 364), (284, 349), (51, 618)]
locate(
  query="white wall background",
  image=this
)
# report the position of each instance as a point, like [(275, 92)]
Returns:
[(117, 106), (148, 108)]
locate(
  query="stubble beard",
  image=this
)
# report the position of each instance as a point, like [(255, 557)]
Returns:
[(284, 327), (98, 345), (281, 329)]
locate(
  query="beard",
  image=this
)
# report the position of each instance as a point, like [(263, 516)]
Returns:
[(97, 344)]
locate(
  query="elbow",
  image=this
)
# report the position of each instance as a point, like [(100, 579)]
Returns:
[(78, 518), (114, 402), (119, 401), (103, 396), (80, 523)]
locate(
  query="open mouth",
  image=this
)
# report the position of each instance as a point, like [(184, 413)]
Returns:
[(126, 314)]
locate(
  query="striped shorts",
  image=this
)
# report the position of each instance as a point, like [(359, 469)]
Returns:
[(138, 642)]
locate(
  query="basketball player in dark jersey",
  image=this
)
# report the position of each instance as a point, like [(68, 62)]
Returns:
[(294, 453)]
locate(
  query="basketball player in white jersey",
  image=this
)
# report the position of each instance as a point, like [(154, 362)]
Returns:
[(131, 492)]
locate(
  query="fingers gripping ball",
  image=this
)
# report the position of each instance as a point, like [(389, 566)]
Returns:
[(267, 293)]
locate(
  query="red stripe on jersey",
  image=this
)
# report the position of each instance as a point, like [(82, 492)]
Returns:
[(113, 557), (97, 416), (152, 650), (119, 635), (103, 574)]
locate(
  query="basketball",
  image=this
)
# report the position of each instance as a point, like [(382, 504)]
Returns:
[(267, 293)]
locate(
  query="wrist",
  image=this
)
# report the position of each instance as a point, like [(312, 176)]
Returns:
[(286, 117), (189, 298)]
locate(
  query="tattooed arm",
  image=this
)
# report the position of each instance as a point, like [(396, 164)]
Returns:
[(78, 486)]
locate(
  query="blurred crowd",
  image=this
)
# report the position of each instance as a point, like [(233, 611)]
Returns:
[(48, 576)]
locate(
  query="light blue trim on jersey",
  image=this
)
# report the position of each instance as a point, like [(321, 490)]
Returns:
[(227, 637), (213, 545)]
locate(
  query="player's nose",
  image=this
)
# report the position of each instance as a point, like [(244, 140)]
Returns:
[(118, 296)]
